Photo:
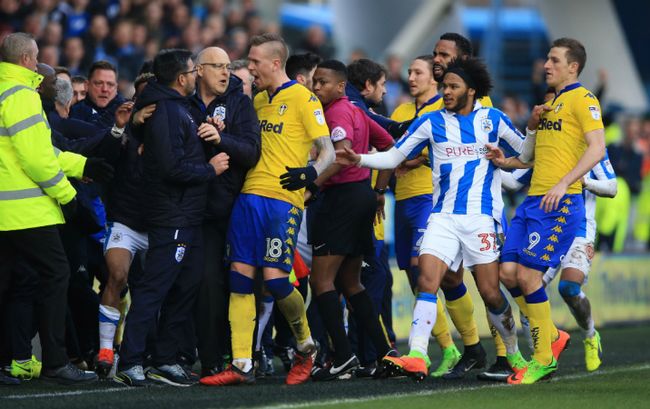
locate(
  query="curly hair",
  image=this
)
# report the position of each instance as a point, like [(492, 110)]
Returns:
[(475, 74)]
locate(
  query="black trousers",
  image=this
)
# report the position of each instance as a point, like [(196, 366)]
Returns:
[(167, 290), (211, 312), (42, 251)]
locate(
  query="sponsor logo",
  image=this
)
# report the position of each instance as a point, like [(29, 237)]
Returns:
[(266, 126), (549, 248), (469, 150), (550, 125), (312, 98), (590, 95), (553, 238), (534, 333)]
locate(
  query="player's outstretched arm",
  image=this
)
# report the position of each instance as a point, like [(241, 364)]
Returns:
[(499, 159), (593, 154), (298, 178)]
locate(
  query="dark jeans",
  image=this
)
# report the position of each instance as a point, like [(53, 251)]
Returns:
[(211, 312), (42, 251), (166, 290)]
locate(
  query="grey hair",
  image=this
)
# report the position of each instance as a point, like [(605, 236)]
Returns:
[(15, 45), (238, 65), (63, 90)]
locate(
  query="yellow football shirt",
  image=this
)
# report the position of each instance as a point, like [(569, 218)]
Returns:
[(560, 137), (290, 121), (418, 181)]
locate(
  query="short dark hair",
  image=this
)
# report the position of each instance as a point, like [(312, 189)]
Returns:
[(281, 48), (101, 65), (363, 70), (169, 64), (427, 58), (474, 72), (301, 64), (463, 45), (62, 70), (337, 66), (78, 79), (575, 51)]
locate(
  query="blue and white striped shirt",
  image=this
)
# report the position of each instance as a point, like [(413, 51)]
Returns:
[(464, 181)]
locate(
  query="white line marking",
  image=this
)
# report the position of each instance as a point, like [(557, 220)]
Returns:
[(329, 402)]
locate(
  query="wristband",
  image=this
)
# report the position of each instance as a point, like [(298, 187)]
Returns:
[(380, 191), (116, 131)]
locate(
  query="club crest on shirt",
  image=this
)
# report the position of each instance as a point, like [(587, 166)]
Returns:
[(283, 109), (219, 113), (117, 237), (486, 125), (595, 112), (180, 253), (558, 107)]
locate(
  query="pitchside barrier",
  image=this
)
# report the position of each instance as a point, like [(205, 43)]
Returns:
[(618, 288)]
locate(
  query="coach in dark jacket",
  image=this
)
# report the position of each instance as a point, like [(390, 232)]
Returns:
[(220, 100), (176, 176)]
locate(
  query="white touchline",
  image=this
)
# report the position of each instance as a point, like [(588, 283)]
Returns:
[(328, 402)]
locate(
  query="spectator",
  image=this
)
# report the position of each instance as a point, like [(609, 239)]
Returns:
[(625, 156)]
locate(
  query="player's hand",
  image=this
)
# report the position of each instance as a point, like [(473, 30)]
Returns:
[(123, 113), (142, 115), (536, 116), (397, 129), (298, 178), (347, 157), (218, 123), (551, 199), (496, 155), (209, 133), (381, 214), (220, 162)]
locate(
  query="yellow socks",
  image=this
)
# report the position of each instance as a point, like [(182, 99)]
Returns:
[(241, 314), (441, 328), (539, 316), (461, 310), (293, 309)]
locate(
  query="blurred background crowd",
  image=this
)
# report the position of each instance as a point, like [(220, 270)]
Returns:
[(75, 33)]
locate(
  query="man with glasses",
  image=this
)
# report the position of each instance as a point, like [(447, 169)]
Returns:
[(228, 124), (176, 178)]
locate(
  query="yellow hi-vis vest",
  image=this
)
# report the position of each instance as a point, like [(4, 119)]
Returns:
[(32, 183)]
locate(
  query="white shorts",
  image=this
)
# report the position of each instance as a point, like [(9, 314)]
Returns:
[(579, 257), (122, 236), (455, 238)]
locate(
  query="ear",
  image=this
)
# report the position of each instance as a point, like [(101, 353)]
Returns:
[(301, 79), (471, 92), (340, 87), (573, 67), (369, 86), (199, 70)]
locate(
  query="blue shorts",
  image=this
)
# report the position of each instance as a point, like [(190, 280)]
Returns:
[(411, 217), (263, 232), (537, 239)]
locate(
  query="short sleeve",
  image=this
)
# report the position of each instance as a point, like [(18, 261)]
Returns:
[(313, 118), (587, 112)]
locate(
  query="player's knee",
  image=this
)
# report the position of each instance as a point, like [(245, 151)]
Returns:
[(279, 287), (240, 284), (508, 275), (118, 277), (491, 296), (427, 283), (569, 289)]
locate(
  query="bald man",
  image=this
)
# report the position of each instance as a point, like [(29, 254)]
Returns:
[(227, 123)]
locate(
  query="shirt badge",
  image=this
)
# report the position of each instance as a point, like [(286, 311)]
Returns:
[(219, 113), (180, 253), (486, 125), (558, 107), (283, 109)]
